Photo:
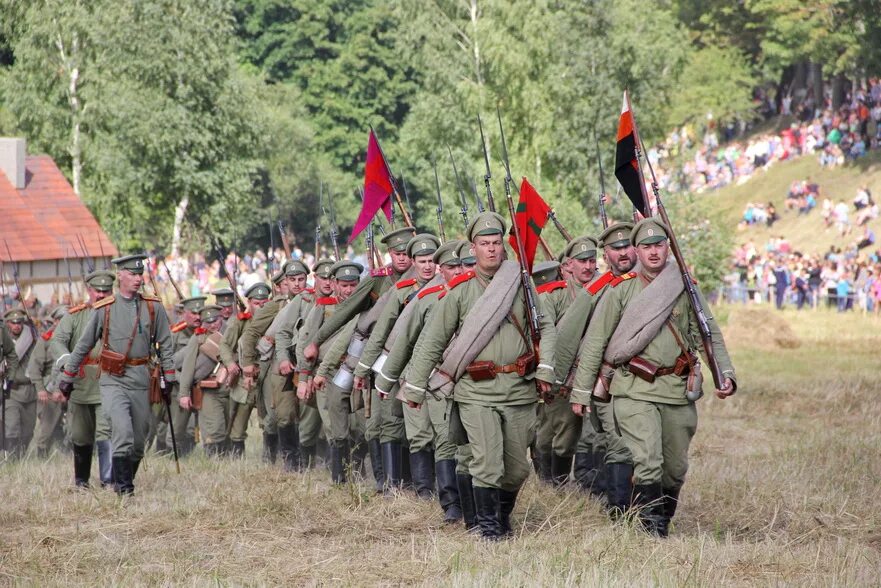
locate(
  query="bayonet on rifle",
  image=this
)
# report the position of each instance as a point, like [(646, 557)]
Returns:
[(603, 216), (333, 227), (490, 201), (464, 210), (177, 290), (440, 205)]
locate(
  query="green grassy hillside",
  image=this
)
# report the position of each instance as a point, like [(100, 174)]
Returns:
[(805, 232)]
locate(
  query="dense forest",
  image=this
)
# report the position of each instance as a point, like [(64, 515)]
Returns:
[(225, 115)]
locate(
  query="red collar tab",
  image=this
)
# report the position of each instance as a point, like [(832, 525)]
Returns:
[(461, 279), (436, 288), (599, 283), (405, 283), (243, 316), (550, 286), (47, 335), (622, 278), (327, 300), (200, 331)]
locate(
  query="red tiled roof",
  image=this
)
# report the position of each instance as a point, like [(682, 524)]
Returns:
[(42, 220)]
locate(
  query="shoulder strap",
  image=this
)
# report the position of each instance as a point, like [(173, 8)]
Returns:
[(105, 335)]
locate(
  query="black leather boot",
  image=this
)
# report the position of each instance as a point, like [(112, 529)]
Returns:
[(307, 457), (507, 500), (375, 450), (561, 466), (486, 501), (391, 464), (602, 475), (136, 463), (237, 449), (270, 447), (619, 489), (359, 454), (422, 468), (649, 499), (289, 445), (545, 471), (123, 478), (339, 458), (466, 499), (406, 474), (448, 490), (587, 471), (82, 465), (670, 502)]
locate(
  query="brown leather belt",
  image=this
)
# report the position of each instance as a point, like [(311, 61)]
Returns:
[(137, 360), (666, 371), (506, 369)]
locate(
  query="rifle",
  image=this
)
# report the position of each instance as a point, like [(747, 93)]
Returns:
[(488, 175), (284, 239), (90, 263), (270, 253), (69, 278), (3, 285), (318, 222), (166, 396), (603, 215), (177, 290), (230, 277), (101, 249), (525, 279), (464, 209), (690, 290), (31, 324), (333, 227), (440, 204), (480, 208), (406, 195), (397, 193), (4, 384)]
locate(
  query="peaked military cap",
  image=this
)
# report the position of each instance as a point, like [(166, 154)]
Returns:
[(616, 236), (448, 254), (133, 263), (194, 303), (210, 313), (224, 297), (278, 276), (562, 257), (16, 316), (423, 244), (486, 223), (546, 271), (258, 291), (58, 312), (397, 240), (101, 280), (322, 268), (347, 271), (466, 254), (296, 267), (582, 248), (648, 231)]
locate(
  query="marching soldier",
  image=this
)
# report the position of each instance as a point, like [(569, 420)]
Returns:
[(200, 388), (297, 421), (88, 422), (559, 429), (333, 399), (495, 390), (127, 326), (258, 353), (50, 408), (226, 300), (427, 427), (181, 333), (420, 249), (21, 405), (596, 447), (654, 368), (242, 397)]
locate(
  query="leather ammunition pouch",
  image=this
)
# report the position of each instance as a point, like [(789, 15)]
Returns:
[(643, 369), (603, 384), (112, 362), (209, 384), (196, 396), (154, 389), (487, 370)]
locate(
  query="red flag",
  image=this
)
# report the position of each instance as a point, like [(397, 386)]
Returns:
[(531, 218), (626, 163), (377, 187)]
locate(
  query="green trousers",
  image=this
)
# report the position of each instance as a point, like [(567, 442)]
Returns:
[(500, 437), (658, 436), (49, 426), (559, 428), (616, 448), (87, 423), (286, 405), (214, 416), (310, 425), (21, 418), (427, 428), (589, 439), (129, 412)]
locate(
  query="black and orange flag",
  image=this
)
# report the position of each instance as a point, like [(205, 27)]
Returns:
[(627, 164), (531, 217)]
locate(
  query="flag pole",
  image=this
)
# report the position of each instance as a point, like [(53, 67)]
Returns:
[(407, 220)]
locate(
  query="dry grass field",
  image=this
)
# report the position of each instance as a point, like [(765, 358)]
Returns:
[(784, 489)]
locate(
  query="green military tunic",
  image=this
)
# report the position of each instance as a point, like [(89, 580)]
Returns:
[(289, 319), (21, 406), (184, 421), (269, 382), (498, 414), (87, 421), (125, 397), (242, 400), (49, 413), (198, 367), (655, 420)]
